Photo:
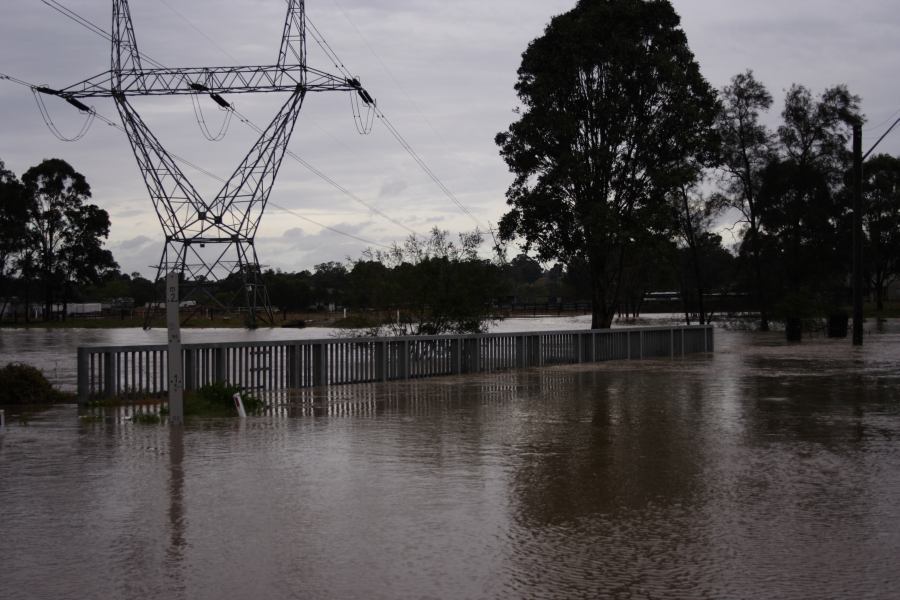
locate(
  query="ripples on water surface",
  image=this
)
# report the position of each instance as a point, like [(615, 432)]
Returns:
[(763, 471)]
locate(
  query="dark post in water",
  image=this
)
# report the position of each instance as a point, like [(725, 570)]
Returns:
[(857, 235)]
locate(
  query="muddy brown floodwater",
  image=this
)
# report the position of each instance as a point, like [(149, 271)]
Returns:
[(761, 471)]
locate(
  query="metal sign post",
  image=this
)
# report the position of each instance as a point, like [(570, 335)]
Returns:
[(176, 368)]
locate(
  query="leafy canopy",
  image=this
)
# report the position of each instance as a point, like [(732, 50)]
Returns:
[(615, 114)]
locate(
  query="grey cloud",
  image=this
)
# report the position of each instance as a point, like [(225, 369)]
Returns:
[(392, 188)]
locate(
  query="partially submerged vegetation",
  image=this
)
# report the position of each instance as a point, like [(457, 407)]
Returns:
[(212, 400), (217, 400), (24, 384)]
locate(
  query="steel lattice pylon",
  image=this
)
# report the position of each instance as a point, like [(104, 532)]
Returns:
[(210, 241)]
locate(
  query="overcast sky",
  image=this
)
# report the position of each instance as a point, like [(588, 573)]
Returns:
[(443, 72)]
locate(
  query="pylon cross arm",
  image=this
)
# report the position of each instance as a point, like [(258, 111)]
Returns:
[(206, 80)]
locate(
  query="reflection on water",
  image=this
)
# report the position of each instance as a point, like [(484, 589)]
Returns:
[(763, 471)]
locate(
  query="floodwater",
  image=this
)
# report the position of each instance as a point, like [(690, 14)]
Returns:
[(764, 470)]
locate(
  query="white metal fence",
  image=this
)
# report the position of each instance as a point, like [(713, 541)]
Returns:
[(121, 371)]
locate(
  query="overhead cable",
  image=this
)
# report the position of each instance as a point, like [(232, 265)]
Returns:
[(101, 32), (384, 66), (338, 63), (206, 172), (48, 121)]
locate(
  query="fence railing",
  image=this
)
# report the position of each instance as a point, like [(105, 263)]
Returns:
[(122, 371)]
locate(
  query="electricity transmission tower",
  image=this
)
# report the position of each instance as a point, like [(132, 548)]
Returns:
[(210, 242)]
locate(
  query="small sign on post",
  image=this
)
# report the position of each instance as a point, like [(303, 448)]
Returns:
[(175, 366)]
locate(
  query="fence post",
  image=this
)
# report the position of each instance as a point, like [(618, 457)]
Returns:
[(456, 355), (404, 359), (475, 354), (470, 355), (84, 385), (381, 361), (641, 344), (521, 358), (320, 364), (110, 374), (292, 366), (538, 351), (220, 368)]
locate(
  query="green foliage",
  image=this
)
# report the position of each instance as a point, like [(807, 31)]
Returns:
[(217, 400), (49, 232), (289, 291), (24, 384), (615, 115), (882, 222), (791, 189), (747, 147), (146, 418), (803, 207), (13, 214), (440, 286)]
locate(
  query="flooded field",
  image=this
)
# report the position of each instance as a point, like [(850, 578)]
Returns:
[(762, 471)]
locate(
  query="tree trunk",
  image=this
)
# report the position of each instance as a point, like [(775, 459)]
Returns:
[(760, 296), (602, 312), (601, 318), (698, 275), (27, 303), (684, 297), (48, 297)]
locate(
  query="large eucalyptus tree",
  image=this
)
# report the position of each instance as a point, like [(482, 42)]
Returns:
[(615, 115)]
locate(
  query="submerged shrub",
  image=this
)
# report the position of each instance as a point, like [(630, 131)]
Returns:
[(143, 418), (217, 399), (24, 384)]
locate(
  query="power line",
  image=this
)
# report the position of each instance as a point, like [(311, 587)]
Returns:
[(323, 44), (58, 7), (343, 233), (384, 66), (338, 63), (883, 123), (198, 168), (71, 14), (329, 180), (415, 156), (198, 30)]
